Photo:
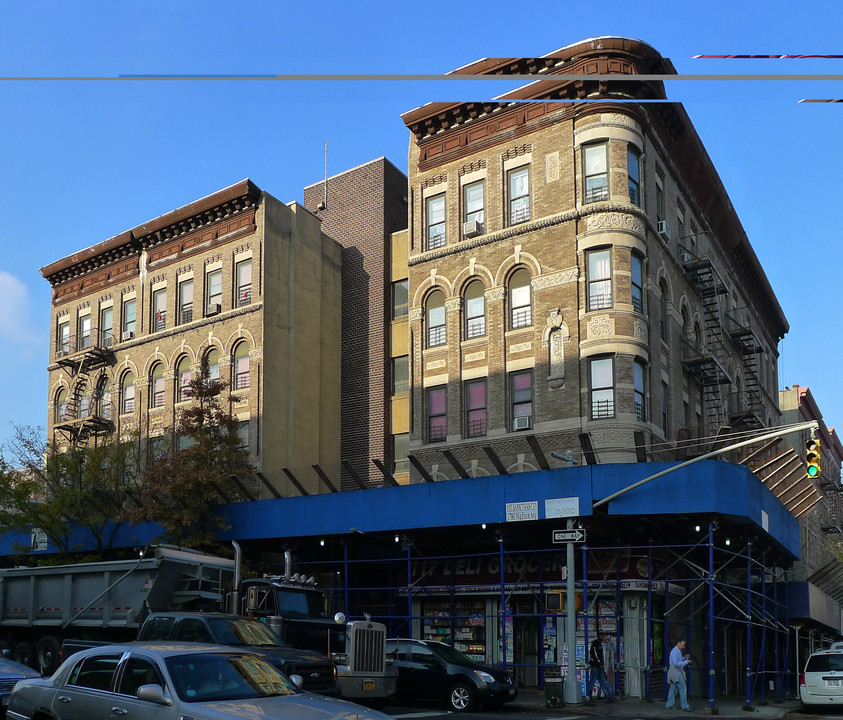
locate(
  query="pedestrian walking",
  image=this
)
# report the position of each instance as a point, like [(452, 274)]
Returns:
[(598, 668), (676, 677)]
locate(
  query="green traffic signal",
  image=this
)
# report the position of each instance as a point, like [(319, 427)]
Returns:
[(812, 458)]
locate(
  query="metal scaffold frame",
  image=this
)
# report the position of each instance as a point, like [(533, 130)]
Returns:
[(730, 606)]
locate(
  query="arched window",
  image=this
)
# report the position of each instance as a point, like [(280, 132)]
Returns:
[(183, 379), (127, 393), (436, 319), (157, 386), (242, 378), (61, 406), (213, 360), (663, 311), (520, 309), (686, 325), (698, 337), (104, 408), (475, 310)]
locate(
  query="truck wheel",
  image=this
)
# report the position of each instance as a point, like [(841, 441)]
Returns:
[(25, 654), (49, 654), (461, 698)]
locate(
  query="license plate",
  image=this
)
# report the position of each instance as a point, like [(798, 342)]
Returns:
[(368, 684), (832, 683), (512, 691)]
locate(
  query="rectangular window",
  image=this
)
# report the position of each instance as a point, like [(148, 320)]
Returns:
[(158, 387), (129, 311), (84, 331), (400, 298), (659, 203), (243, 280), (599, 279), (63, 337), (436, 222), (437, 421), (243, 435), (595, 162), (400, 374), (400, 451), (475, 315), (473, 206), (521, 399), (637, 283), (602, 375), (680, 229), (129, 397), (518, 182), (475, 408), (159, 310), (638, 372), (107, 327), (213, 292), (633, 171), (185, 301)]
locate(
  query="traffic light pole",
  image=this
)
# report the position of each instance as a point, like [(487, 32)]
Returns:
[(811, 425)]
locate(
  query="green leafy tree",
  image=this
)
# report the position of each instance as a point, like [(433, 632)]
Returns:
[(62, 490), (181, 489)]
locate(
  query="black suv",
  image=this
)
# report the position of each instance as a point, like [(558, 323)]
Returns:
[(432, 670)]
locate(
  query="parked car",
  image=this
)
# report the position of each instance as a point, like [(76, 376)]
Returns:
[(168, 680), (10, 673), (822, 681), (432, 670)]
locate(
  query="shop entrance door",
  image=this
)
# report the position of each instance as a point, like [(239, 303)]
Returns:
[(527, 645)]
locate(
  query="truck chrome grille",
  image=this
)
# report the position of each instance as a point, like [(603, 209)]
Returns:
[(367, 647)]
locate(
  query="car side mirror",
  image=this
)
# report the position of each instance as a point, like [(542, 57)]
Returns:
[(153, 693), (298, 680)]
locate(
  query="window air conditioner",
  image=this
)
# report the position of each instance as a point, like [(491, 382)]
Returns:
[(61, 353), (472, 228), (521, 423), (213, 309), (127, 335), (663, 230)]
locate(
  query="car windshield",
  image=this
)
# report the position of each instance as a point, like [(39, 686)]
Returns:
[(224, 676), (448, 654), (237, 631), (824, 663)]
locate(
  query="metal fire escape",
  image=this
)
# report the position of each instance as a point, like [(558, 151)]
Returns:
[(86, 413), (749, 402), (704, 356)]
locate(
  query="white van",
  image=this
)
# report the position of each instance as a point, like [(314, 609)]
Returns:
[(822, 681)]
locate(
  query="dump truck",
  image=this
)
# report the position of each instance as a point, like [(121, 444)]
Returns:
[(41, 607)]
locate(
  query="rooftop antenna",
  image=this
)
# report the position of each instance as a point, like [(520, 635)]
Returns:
[(324, 203)]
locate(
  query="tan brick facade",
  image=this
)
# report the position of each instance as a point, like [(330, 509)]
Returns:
[(613, 296), (237, 277)]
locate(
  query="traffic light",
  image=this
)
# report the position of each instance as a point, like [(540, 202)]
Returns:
[(812, 458)]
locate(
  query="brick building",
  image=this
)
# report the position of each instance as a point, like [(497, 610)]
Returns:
[(578, 279), (238, 278)]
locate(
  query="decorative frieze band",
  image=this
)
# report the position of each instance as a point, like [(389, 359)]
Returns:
[(475, 356), (617, 221), (435, 364), (472, 167), (520, 347), (600, 327), (562, 277), (435, 180)]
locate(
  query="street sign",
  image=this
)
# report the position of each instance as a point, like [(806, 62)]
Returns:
[(566, 536)]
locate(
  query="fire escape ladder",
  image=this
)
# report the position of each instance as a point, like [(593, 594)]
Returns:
[(750, 402)]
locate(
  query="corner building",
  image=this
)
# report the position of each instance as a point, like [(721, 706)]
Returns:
[(578, 278), (237, 278)]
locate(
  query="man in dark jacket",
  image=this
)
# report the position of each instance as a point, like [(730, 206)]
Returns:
[(598, 668)]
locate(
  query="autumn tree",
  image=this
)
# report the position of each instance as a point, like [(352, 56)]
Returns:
[(183, 486), (71, 494)]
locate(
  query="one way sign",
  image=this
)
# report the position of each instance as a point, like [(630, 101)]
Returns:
[(566, 536)]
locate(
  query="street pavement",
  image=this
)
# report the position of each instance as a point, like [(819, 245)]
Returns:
[(534, 701)]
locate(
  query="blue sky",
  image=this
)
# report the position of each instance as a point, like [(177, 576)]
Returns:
[(82, 160)]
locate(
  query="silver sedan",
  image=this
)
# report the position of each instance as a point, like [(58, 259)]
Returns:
[(167, 681)]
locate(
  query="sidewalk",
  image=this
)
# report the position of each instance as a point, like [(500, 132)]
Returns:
[(725, 707)]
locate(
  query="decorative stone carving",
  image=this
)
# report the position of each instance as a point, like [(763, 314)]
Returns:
[(472, 167), (659, 170), (617, 221), (495, 293), (435, 364), (639, 330), (255, 353), (542, 282), (520, 347), (435, 180), (453, 304), (619, 119), (475, 356), (600, 326), (516, 151), (551, 167), (414, 314)]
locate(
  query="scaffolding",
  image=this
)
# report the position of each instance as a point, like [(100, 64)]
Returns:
[(505, 606)]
